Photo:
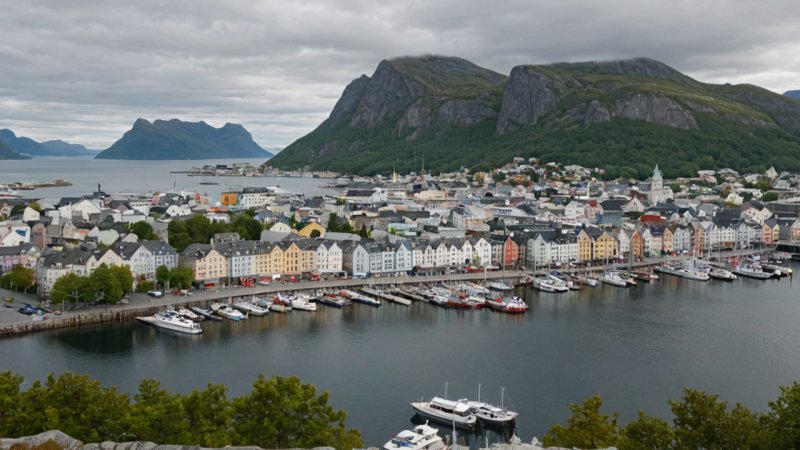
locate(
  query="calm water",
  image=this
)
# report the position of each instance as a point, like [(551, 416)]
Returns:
[(635, 347), (138, 177)]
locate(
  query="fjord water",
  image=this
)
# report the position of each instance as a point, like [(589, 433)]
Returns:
[(636, 347)]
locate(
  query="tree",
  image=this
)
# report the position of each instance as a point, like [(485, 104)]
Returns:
[(143, 230), (283, 413), (783, 420), (181, 277), (208, 414), (70, 288), (10, 402), (647, 433), (19, 278), (162, 274), (104, 285), (124, 277), (769, 197), (586, 427), (158, 416), (702, 421)]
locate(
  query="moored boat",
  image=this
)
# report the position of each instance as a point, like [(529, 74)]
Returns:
[(721, 274), (187, 314), (422, 437), (281, 304), (751, 271), (614, 279), (226, 311), (302, 302), (498, 286), (456, 413), (510, 305), (172, 321), (250, 307), (206, 314)]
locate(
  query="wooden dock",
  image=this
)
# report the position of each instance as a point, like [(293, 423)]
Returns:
[(386, 296)]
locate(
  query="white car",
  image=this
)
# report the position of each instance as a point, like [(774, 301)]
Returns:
[(155, 294)]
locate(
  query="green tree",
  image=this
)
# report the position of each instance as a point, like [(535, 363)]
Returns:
[(769, 197), (783, 420), (35, 206), (104, 285), (162, 274), (124, 277), (208, 413), (702, 421), (70, 288), (181, 277), (587, 427), (647, 433), (19, 278), (10, 402), (284, 413), (158, 416), (143, 230)]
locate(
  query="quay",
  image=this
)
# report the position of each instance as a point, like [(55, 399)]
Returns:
[(13, 323)]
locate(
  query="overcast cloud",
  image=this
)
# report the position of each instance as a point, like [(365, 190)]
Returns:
[(84, 71)]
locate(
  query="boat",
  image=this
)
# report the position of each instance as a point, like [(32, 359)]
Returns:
[(439, 300), (719, 273), (491, 414), (695, 274), (226, 311), (560, 279), (751, 271), (281, 304), (546, 285), (477, 289), (458, 302), (422, 437), (510, 305), (250, 307), (302, 302), (170, 320), (498, 286), (359, 298), (207, 314), (456, 413), (587, 280), (641, 276), (614, 279), (191, 315), (777, 270), (333, 300)]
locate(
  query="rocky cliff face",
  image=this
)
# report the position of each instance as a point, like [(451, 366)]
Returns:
[(529, 95), (655, 109)]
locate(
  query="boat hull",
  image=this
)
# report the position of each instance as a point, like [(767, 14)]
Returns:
[(443, 418)]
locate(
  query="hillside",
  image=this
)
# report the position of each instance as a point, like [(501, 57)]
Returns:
[(28, 146), (174, 139), (7, 153), (623, 116), (793, 94)]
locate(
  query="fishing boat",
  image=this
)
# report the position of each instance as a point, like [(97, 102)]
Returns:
[(281, 304), (172, 321), (456, 413), (509, 305), (302, 302), (422, 437), (250, 307), (226, 311)]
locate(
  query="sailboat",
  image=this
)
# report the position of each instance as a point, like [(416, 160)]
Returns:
[(490, 414)]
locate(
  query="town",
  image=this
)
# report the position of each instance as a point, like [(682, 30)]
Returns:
[(524, 215)]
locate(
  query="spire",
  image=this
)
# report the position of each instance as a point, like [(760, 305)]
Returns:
[(657, 175)]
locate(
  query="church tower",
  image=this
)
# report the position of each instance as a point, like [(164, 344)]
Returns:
[(658, 180)]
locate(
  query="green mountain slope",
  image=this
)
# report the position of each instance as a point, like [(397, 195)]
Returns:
[(174, 139), (623, 116), (7, 153)]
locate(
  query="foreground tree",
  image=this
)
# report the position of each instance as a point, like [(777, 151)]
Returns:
[(208, 414), (783, 420), (587, 427), (284, 413), (70, 288), (159, 416), (647, 433), (702, 421), (19, 278)]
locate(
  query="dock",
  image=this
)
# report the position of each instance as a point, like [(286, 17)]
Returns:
[(385, 296)]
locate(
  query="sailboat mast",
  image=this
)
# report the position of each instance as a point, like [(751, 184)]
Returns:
[(445, 389), (502, 395), (479, 392)]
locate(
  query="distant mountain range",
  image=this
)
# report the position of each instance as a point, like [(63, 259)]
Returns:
[(174, 139), (793, 94), (28, 146), (8, 153), (622, 116)]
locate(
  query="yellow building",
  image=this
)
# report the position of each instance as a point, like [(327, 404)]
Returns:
[(291, 259), (668, 241), (605, 246), (229, 198), (312, 230), (584, 246), (206, 263)]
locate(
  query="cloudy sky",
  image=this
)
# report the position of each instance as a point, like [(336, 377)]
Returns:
[(84, 71)]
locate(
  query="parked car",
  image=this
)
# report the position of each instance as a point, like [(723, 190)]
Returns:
[(155, 294)]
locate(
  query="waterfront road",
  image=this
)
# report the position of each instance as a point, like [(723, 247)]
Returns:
[(9, 317)]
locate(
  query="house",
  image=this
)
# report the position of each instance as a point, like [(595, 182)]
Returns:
[(209, 267), (355, 259), (312, 230)]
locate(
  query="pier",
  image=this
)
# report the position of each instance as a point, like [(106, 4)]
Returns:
[(13, 323)]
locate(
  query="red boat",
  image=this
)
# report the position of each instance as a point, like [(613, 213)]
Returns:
[(510, 305)]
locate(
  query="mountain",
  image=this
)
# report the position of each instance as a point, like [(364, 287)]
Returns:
[(61, 148), (793, 94), (623, 116), (175, 139), (7, 153), (30, 147)]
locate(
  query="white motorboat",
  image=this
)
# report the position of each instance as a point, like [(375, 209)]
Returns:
[(422, 437), (498, 286), (189, 314), (250, 307), (614, 279), (695, 274), (587, 280), (359, 298), (226, 311), (172, 321), (477, 289), (546, 285), (302, 302), (721, 274), (457, 413), (751, 271), (491, 414)]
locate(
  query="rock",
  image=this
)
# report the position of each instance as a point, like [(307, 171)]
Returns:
[(350, 99), (596, 113), (530, 94), (464, 112), (654, 109), (62, 440), (387, 96)]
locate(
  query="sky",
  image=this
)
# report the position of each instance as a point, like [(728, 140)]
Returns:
[(83, 71)]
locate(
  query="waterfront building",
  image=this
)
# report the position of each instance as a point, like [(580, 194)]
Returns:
[(209, 267)]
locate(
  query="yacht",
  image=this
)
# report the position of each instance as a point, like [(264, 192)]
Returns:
[(302, 302), (223, 310), (207, 314), (250, 307), (510, 305), (172, 321), (457, 413), (751, 271), (614, 279), (721, 274), (691, 273), (422, 437), (491, 414), (185, 313)]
